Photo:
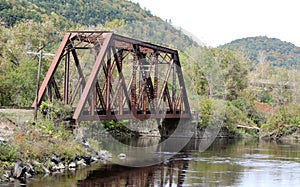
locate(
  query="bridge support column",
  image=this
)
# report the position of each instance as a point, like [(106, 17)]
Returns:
[(168, 127)]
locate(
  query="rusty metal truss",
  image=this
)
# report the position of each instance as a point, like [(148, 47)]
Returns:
[(105, 76)]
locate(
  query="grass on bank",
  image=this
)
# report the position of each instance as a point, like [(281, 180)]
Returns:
[(37, 141)]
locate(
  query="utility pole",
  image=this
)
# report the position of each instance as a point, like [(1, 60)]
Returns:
[(40, 55)]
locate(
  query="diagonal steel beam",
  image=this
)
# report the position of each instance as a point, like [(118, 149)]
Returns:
[(56, 90), (52, 68), (118, 59), (100, 96), (116, 92), (164, 85), (181, 83), (90, 84), (79, 82), (167, 95), (79, 69)]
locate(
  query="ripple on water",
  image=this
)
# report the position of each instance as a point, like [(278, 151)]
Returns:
[(262, 160), (213, 160)]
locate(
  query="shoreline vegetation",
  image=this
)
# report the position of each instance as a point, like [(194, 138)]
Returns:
[(47, 147)]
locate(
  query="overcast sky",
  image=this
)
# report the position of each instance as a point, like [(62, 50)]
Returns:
[(216, 22)]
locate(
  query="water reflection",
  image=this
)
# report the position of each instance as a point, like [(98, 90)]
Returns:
[(226, 163), (169, 174), (189, 167)]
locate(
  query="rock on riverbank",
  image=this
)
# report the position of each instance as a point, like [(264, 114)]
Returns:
[(22, 170), (30, 148)]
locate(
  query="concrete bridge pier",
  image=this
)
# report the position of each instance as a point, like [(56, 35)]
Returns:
[(183, 127)]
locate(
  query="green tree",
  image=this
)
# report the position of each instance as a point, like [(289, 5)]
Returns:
[(18, 70), (21, 82), (216, 72)]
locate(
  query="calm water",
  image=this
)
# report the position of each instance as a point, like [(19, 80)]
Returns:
[(224, 163)]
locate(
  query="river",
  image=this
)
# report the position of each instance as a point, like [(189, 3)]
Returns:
[(226, 162)]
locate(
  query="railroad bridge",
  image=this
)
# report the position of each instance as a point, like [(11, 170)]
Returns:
[(105, 76)]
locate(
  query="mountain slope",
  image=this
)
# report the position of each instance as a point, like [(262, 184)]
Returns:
[(91, 12), (129, 17), (262, 48)]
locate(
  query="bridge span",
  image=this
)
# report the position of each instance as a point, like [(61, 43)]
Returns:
[(105, 76)]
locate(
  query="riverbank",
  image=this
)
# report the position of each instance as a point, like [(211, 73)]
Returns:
[(44, 147), (29, 148)]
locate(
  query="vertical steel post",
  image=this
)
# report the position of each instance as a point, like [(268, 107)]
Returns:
[(67, 77), (108, 83), (133, 84), (155, 92), (174, 87), (133, 87), (120, 94), (94, 99)]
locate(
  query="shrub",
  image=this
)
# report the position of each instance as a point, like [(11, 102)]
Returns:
[(283, 121), (216, 113), (7, 153)]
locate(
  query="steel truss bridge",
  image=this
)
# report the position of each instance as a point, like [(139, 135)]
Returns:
[(105, 76)]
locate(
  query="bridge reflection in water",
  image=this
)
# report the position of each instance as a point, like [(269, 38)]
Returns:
[(168, 174), (180, 170), (172, 172)]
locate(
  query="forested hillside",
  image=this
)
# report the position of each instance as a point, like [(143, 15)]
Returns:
[(264, 49), (121, 16), (93, 12)]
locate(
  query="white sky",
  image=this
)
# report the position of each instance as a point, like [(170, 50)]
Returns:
[(216, 22)]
